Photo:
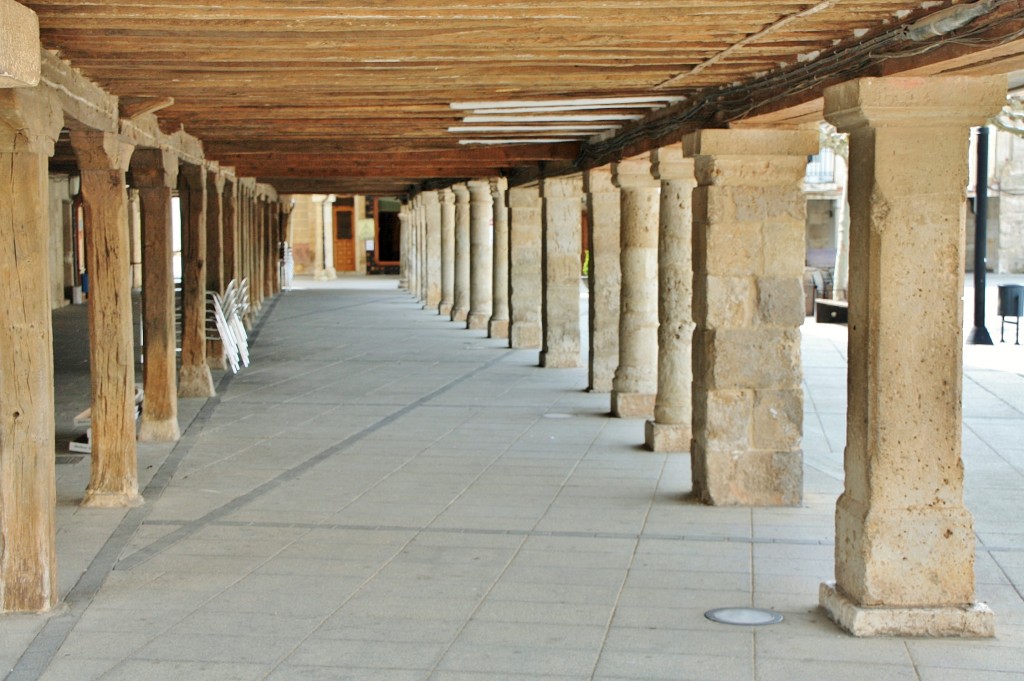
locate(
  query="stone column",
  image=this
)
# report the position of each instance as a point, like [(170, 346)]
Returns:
[(102, 161), (403, 270), (671, 430), (904, 538), (447, 198), (432, 251), (327, 224), (230, 231), (481, 254), (460, 301), (748, 260), (194, 378), (524, 267), (424, 250), (560, 260), (604, 277), (155, 173), (498, 324), (414, 246), (636, 377), (30, 123), (215, 281)]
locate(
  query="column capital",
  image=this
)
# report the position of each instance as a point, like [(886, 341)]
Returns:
[(565, 187), (429, 198), (461, 192), (523, 196), (668, 164), (921, 102), (30, 120), (750, 142), (479, 191), (599, 180), (634, 173), (499, 185), (216, 180), (447, 196), (154, 168), (197, 173), (101, 150)]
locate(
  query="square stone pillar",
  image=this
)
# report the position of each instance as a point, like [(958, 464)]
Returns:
[(414, 246), (155, 174), (560, 260), (749, 214), (904, 538), (671, 429), (524, 267), (460, 301), (403, 257), (102, 160), (636, 377), (432, 229), (30, 122), (447, 199), (604, 276), (194, 378), (481, 254)]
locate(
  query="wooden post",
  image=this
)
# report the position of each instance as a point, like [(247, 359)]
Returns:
[(29, 125), (102, 161), (215, 257), (229, 248), (195, 379), (155, 174), (271, 285)]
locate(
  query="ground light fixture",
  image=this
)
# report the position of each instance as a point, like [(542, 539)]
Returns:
[(743, 616)]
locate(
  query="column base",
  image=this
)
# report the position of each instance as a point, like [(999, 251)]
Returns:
[(459, 315), (476, 321), (559, 360), (667, 437), (968, 621), (112, 500), (747, 478), (329, 273), (444, 309), (632, 405), (195, 381), (159, 430), (524, 336), (497, 328)]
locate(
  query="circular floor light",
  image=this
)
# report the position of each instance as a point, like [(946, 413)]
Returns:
[(746, 617)]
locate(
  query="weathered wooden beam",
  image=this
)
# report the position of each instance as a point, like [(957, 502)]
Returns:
[(133, 107), (194, 378), (102, 161), (29, 124), (155, 175)]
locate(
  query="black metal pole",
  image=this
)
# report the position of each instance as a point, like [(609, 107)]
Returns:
[(979, 334)]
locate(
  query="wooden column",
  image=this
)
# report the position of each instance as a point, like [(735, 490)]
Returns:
[(102, 161), (256, 251), (215, 257), (29, 126), (195, 379), (269, 249), (155, 175), (229, 231)]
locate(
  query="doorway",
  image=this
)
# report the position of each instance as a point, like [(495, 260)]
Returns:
[(344, 239)]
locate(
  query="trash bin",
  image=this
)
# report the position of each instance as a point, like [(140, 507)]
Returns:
[(1011, 304), (1011, 300)]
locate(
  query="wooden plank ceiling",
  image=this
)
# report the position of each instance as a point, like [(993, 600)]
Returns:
[(356, 96)]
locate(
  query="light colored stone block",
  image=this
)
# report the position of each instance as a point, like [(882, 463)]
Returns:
[(19, 49), (667, 437), (968, 621), (632, 405)]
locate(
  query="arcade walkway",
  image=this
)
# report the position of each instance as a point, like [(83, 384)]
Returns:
[(385, 496)]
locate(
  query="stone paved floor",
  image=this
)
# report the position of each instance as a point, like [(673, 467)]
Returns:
[(383, 495)]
